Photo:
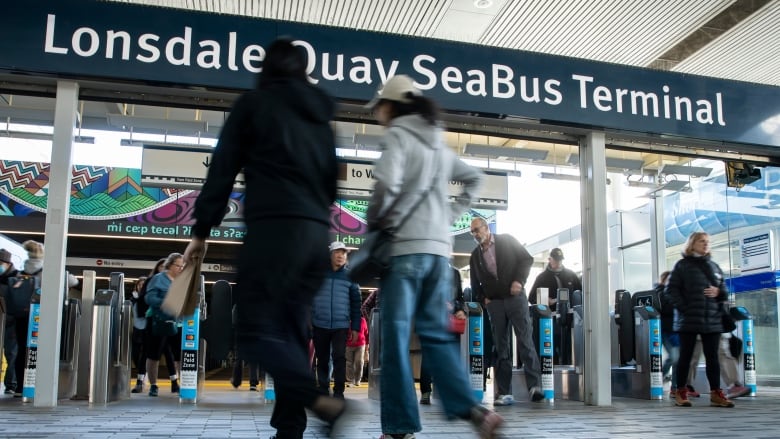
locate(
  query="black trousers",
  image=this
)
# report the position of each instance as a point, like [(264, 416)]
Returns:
[(709, 345), (276, 284), (331, 343)]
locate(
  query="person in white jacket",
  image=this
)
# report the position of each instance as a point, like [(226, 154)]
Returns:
[(412, 179)]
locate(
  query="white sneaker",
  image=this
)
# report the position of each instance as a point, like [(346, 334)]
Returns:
[(504, 400)]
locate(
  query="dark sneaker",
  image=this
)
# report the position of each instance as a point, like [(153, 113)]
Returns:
[(425, 399), (10, 391), (486, 421), (175, 386), (397, 436), (253, 388), (536, 394), (139, 387), (153, 390)]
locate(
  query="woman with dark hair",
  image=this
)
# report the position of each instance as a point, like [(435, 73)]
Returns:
[(280, 135), (139, 326), (697, 290), (411, 197)]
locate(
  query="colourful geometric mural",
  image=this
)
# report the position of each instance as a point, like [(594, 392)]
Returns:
[(115, 196)]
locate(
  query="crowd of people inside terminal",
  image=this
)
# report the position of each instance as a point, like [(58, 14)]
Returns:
[(298, 315)]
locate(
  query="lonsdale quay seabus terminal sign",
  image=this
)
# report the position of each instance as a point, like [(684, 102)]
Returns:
[(108, 40)]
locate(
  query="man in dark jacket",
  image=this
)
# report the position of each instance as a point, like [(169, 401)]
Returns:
[(499, 269), (554, 276), (7, 271), (336, 308), (280, 135)]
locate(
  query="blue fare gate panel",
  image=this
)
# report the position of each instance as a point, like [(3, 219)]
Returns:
[(476, 349), (749, 355), (190, 336), (28, 389), (656, 372), (546, 350)]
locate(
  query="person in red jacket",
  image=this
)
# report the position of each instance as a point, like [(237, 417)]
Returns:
[(356, 351)]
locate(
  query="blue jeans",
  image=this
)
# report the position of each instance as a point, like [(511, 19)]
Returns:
[(671, 343), (415, 291)]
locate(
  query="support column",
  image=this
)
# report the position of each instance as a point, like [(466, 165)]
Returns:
[(595, 279), (657, 236), (53, 283)]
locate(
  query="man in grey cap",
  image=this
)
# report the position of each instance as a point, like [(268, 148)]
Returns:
[(336, 309), (554, 276), (7, 271)]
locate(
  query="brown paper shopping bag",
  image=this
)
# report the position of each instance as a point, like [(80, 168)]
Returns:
[(184, 294)]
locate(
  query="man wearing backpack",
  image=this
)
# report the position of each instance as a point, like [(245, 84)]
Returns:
[(7, 271)]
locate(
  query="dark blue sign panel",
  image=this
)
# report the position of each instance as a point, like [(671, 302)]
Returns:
[(178, 47)]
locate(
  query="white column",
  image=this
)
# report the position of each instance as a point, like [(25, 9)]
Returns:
[(53, 283), (595, 279), (657, 236)]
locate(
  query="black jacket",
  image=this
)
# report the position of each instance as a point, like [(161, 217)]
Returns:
[(667, 309), (280, 135), (513, 263), (553, 280), (695, 311)]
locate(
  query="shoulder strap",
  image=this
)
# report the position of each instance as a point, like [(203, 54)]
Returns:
[(422, 194)]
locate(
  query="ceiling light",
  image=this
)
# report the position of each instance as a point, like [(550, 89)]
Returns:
[(673, 186), (534, 155), (483, 4), (643, 184), (612, 162), (556, 176), (153, 123), (693, 171), (43, 136)]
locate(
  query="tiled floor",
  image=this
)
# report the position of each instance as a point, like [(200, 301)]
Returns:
[(226, 413)]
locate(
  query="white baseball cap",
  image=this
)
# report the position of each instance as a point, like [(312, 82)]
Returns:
[(395, 89), (337, 245)]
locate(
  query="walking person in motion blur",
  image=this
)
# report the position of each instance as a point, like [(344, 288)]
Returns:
[(412, 177), (280, 135)]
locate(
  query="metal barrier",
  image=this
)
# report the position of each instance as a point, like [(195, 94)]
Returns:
[(110, 346), (85, 330), (69, 348), (375, 348), (643, 380)]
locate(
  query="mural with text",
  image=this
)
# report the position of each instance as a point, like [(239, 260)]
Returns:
[(112, 201)]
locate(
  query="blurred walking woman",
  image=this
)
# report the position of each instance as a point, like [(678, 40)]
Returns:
[(697, 291), (156, 290)]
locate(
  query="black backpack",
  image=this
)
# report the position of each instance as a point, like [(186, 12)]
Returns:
[(19, 293)]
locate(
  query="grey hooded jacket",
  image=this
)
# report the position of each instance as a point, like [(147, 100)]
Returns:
[(414, 159)]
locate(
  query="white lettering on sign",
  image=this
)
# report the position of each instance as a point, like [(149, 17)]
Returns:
[(498, 81)]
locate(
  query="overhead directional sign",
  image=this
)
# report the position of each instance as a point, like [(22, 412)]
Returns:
[(185, 167), (356, 182), (181, 167)]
